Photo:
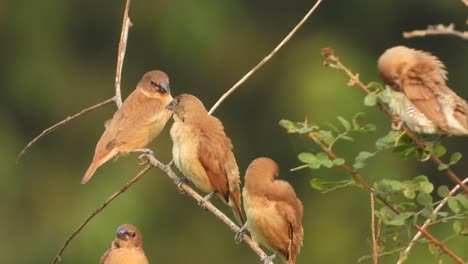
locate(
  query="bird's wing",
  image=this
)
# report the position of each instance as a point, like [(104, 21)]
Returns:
[(213, 151), (134, 113), (461, 111), (422, 88)]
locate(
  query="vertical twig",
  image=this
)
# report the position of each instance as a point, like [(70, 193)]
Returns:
[(375, 249), (126, 24), (267, 58)]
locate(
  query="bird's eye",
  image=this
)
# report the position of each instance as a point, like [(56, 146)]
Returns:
[(153, 83), (132, 234)]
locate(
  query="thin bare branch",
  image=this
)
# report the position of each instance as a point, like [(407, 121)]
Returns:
[(126, 24), (404, 255), (208, 205), (375, 247), (58, 258), (61, 123), (267, 58), (439, 29), (334, 62)]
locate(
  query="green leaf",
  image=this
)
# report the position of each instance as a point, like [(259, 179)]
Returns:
[(458, 226), (322, 156), (427, 212), (338, 161), (385, 96), (454, 205), (363, 155), (400, 219), (327, 163), (442, 166), (370, 99), (368, 128), (326, 137), (306, 157), (409, 192), (443, 191), (406, 206), (426, 187), (322, 185), (442, 214), (375, 85), (356, 120), (438, 150), (383, 187), (455, 158), (463, 200), (424, 199), (359, 165), (388, 140), (304, 130), (290, 126), (396, 185), (345, 123), (420, 178), (385, 214), (433, 249), (348, 138)]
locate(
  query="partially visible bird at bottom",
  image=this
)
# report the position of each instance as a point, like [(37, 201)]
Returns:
[(274, 213), (127, 247)]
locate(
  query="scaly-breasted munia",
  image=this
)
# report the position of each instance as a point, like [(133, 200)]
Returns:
[(274, 213), (127, 247), (203, 152), (421, 97), (140, 119)]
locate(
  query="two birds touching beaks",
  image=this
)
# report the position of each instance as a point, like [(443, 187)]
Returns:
[(203, 152)]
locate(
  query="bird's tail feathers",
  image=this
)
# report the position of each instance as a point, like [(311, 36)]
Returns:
[(235, 204), (96, 164)]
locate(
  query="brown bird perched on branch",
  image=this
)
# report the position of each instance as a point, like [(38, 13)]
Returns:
[(421, 97), (127, 247), (140, 119), (203, 153), (274, 213)]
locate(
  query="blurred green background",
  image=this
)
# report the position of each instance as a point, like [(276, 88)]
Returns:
[(59, 57)]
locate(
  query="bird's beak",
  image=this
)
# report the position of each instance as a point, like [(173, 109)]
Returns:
[(165, 86), (121, 231), (170, 106)]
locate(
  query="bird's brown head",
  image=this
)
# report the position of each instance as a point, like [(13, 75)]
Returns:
[(185, 106), (395, 62), (128, 236), (261, 170), (155, 84)]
